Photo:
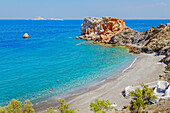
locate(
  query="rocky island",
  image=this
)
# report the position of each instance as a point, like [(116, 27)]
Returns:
[(113, 31), (39, 18), (55, 19)]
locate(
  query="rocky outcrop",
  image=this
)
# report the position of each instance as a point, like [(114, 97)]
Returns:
[(101, 29), (155, 39), (38, 18), (114, 31), (26, 35)]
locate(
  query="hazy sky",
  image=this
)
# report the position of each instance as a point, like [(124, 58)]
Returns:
[(80, 8)]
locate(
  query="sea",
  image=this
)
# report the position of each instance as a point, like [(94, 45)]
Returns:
[(49, 64)]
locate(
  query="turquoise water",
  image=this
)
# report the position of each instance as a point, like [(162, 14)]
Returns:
[(29, 68)]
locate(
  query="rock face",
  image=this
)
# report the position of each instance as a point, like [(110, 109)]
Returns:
[(101, 29), (38, 18), (155, 39), (114, 31), (55, 19)]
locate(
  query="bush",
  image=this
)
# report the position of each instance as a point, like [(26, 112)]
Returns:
[(28, 107), (100, 106), (50, 110), (62, 108), (141, 98), (168, 67), (16, 107)]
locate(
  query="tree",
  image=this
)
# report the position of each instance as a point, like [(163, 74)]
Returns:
[(16, 107), (50, 110), (62, 108), (28, 107), (100, 106), (2, 109), (141, 98)]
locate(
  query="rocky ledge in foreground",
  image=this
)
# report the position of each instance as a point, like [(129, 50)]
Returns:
[(110, 30)]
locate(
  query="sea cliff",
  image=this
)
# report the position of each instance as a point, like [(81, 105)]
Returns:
[(113, 31)]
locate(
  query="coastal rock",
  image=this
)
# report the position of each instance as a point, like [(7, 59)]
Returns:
[(101, 29), (114, 31), (26, 35), (156, 38), (126, 37), (166, 60), (38, 18), (165, 51), (77, 37)]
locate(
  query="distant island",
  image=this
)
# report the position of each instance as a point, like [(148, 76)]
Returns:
[(40, 18), (55, 19)]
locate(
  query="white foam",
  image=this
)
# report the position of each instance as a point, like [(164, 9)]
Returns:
[(130, 65)]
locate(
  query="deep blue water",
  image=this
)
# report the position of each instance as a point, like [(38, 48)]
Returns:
[(29, 68)]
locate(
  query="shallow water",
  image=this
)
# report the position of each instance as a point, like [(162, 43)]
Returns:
[(29, 68)]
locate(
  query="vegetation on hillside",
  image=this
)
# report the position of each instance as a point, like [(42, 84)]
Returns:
[(168, 67), (100, 106), (16, 107), (141, 98)]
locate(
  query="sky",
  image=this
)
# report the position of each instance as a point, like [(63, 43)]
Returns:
[(78, 9)]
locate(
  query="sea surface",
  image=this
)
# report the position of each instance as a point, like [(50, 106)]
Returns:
[(29, 68)]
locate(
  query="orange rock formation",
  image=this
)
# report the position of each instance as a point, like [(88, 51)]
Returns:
[(101, 29)]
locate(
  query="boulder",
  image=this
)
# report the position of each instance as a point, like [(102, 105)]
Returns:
[(165, 51), (166, 60), (77, 37), (81, 37), (26, 35)]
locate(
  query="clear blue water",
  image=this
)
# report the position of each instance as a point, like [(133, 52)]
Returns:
[(29, 68)]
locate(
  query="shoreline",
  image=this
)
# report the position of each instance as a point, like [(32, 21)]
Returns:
[(52, 102), (103, 90), (112, 89)]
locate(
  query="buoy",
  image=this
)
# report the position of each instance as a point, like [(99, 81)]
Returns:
[(26, 35), (52, 89), (57, 80)]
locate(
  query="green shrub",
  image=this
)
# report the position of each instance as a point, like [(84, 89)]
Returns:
[(141, 98), (2, 109), (168, 67), (168, 44), (62, 108), (16, 107), (100, 106), (50, 110), (28, 107)]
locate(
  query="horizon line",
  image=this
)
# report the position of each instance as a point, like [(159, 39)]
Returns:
[(83, 18)]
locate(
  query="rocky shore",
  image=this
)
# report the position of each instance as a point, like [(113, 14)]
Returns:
[(113, 31)]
